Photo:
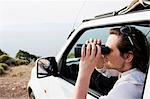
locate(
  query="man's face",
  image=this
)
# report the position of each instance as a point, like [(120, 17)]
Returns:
[(114, 60)]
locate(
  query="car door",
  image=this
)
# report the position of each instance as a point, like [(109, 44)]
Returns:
[(99, 84)]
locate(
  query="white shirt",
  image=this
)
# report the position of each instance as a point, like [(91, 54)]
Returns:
[(129, 86), (108, 72)]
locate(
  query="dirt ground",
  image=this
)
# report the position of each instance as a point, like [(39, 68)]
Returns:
[(13, 84)]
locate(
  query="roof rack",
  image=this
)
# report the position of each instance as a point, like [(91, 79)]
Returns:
[(106, 15), (134, 6)]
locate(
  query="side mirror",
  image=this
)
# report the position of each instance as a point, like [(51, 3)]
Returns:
[(46, 67)]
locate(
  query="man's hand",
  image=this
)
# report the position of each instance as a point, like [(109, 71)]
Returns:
[(91, 57)]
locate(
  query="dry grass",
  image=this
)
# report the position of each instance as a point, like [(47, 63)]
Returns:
[(13, 84)]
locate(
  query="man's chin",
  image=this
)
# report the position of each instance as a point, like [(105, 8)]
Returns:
[(106, 65)]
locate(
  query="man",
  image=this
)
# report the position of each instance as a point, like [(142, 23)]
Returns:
[(128, 55)]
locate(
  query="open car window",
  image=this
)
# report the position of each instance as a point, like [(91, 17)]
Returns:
[(99, 84)]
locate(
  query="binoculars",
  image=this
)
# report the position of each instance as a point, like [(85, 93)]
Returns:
[(104, 49)]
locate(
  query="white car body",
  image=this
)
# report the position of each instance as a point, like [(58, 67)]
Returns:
[(57, 88)]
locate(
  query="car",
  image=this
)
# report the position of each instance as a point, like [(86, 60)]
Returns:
[(54, 77)]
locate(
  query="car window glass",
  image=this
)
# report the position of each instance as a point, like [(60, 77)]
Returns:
[(98, 33)]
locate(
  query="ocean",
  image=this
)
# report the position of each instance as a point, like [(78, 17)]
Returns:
[(39, 39)]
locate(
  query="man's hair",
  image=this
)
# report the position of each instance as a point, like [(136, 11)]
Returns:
[(139, 47)]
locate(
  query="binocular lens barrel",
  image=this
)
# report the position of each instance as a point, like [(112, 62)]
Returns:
[(104, 49)]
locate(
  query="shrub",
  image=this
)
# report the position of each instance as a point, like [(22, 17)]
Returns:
[(11, 61), (21, 62), (25, 56), (1, 70), (71, 55), (5, 66), (3, 58), (2, 52)]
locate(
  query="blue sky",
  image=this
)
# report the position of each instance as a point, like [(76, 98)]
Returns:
[(42, 26)]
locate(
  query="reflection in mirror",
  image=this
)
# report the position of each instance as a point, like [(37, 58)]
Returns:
[(42, 66), (44, 63)]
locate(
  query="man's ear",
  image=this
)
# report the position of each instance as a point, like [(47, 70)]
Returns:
[(128, 56)]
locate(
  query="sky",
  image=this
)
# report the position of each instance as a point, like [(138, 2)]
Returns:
[(41, 27)]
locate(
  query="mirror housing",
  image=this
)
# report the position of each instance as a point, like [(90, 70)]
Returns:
[(46, 67)]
